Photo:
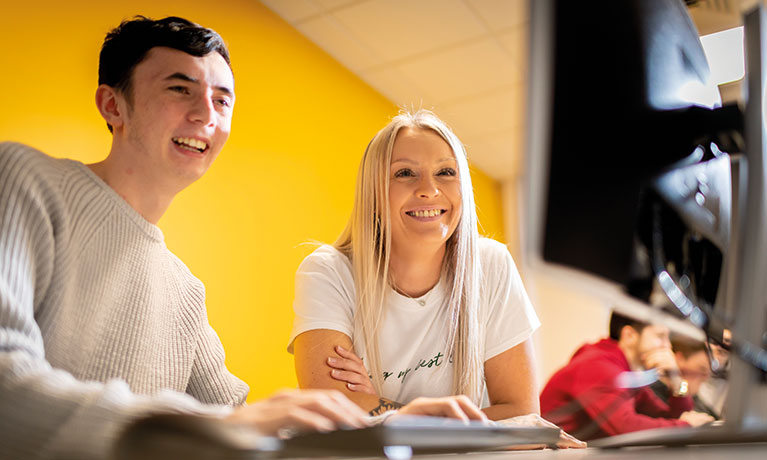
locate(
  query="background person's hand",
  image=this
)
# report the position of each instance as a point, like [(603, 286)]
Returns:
[(664, 361), (459, 407), (696, 418), (294, 411), (349, 368)]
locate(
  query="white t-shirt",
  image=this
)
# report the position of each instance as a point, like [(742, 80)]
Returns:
[(413, 333)]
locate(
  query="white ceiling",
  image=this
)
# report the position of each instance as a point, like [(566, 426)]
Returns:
[(464, 59)]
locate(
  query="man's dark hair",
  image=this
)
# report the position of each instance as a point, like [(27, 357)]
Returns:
[(619, 321), (127, 44), (686, 346)]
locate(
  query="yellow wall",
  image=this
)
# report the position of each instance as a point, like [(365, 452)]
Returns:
[(487, 194), (301, 122)]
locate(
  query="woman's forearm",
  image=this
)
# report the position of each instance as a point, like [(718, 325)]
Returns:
[(508, 410)]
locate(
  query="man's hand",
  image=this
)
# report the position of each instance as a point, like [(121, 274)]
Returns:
[(349, 368), (663, 360), (459, 407), (294, 411), (696, 418)]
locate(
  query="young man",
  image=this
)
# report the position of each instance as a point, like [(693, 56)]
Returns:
[(596, 394), (692, 359), (99, 322)]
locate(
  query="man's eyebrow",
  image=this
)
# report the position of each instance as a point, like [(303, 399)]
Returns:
[(181, 76), (190, 79)]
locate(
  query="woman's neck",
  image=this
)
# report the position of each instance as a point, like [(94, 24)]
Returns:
[(415, 271)]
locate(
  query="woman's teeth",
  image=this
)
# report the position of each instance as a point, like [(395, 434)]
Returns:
[(429, 213)]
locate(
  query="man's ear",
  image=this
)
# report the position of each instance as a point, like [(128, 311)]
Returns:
[(111, 105), (629, 335)]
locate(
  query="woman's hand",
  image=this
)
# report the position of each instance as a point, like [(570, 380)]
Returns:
[(565, 439), (350, 369), (459, 407)]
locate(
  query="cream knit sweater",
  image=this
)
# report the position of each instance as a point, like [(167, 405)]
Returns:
[(99, 322)]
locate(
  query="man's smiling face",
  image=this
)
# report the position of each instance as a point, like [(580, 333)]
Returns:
[(179, 114)]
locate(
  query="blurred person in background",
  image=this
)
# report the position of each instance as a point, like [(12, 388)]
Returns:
[(603, 390)]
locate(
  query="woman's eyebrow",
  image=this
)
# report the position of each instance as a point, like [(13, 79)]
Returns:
[(408, 160)]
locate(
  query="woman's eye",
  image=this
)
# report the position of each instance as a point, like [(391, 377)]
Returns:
[(447, 172), (404, 173)]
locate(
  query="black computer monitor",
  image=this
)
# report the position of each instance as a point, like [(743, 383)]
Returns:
[(638, 180)]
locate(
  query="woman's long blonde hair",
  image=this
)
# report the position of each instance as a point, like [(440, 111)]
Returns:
[(367, 242)]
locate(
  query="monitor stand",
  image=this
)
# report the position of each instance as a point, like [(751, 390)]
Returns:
[(746, 406)]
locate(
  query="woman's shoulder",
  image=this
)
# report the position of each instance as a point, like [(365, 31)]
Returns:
[(492, 251), (326, 257), (327, 271), (496, 263)]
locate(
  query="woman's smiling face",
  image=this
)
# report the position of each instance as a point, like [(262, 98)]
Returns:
[(424, 189)]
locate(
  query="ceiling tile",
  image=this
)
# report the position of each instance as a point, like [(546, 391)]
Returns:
[(332, 4), (398, 88), (293, 10), (499, 156), (463, 71), (336, 40), (500, 14), (493, 112), (396, 29), (515, 42), (464, 59)]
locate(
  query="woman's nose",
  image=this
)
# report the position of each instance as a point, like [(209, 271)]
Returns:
[(427, 187)]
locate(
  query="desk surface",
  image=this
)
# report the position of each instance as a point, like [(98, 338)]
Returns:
[(711, 452), (179, 436)]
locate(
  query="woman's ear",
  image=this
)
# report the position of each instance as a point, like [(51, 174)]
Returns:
[(110, 104)]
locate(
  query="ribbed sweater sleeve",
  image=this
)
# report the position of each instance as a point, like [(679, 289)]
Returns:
[(76, 407)]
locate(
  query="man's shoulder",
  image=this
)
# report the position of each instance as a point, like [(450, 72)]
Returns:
[(14, 152), (20, 161), (180, 268), (603, 355)]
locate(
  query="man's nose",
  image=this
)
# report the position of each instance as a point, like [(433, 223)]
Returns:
[(203, 111)]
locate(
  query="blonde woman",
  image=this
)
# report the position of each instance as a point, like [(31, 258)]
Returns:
[(410, 301)]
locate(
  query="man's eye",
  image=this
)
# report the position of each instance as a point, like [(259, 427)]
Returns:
[(404, 173), (222, 102), (179, 89), (447, 172)]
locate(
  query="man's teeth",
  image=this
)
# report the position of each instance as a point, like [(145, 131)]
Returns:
[(429, 213), (188, 142)]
